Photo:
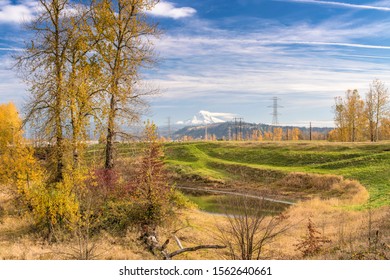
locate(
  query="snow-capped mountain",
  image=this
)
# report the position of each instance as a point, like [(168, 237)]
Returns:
[(206, 117)]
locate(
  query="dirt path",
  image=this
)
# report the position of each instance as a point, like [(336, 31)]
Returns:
[(238, 194)]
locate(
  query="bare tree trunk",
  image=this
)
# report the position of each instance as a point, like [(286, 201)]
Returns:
[(109, 160), (372, 129), (123, 46), (59, 151), (378, 115)]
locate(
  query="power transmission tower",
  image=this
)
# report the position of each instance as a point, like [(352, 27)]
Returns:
[(169, 129), (241, 129), (235, 128), (238, 128), (275, 113)]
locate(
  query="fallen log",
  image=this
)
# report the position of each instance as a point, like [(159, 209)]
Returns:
[(150, 239)]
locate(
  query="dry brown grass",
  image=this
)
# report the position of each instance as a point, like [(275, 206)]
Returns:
[(18, 243), (324, 186), (353, 234), (347, 230)]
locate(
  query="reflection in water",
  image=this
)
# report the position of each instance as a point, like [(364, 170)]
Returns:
[(232, 204)]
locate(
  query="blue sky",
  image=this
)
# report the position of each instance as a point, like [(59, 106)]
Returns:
[(233, 56)]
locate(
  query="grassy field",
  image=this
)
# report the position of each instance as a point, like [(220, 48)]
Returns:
[(262, 163), (328, 180)]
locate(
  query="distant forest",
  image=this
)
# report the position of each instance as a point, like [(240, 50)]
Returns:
[(249, 131)]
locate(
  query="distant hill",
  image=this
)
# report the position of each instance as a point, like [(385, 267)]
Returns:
[(223, 130)]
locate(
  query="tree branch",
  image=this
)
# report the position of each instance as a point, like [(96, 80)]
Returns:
[(169, 256)]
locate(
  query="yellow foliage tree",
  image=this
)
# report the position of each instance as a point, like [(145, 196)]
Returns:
[(256, 135), (385, 129), (21, 173), (296, 133), (278, 134), (268, 135), (10, 125), (123, 36), (333, 135), (17, 163), (350, 118), (376, 108)]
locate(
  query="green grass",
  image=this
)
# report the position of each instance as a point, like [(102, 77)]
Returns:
[(368, 163), (267, 162)]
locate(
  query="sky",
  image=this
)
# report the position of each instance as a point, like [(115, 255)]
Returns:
[(235, 56)]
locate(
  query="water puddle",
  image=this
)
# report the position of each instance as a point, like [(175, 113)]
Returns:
[(221, 202)]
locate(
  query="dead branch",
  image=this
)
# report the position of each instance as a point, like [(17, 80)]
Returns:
[(178, 241), (169, 256), (150, 239)]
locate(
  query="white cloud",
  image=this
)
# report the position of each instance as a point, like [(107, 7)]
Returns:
[(17, 13), (168, 9), (364, 46), (300, 63), (26, 10), (11, 49), (305, 64), (341, 4), (278, 39)]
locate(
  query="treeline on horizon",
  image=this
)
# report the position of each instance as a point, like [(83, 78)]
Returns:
[(230, 131)]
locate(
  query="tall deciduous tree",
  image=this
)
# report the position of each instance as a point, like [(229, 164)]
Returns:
[(355, 114), (340, 120), (278, 133), (82, 80), (295, 134), (44, 66), (17, 164), (349, 116), (124, 45), (377, 99)]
